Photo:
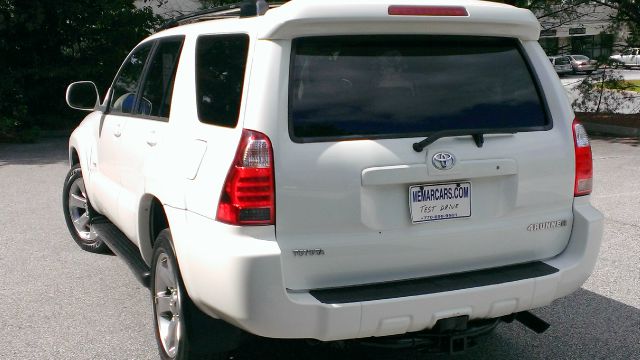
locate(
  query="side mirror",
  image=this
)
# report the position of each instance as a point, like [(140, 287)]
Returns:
[(83, 95)]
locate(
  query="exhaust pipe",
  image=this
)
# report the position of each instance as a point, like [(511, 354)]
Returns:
[(529, 320)]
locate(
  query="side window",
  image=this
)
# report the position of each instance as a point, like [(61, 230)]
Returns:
[(220, 68), (627, 52), (158, 83), (125, 85)]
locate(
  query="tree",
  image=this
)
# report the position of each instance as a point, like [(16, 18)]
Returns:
[(48, 44), (605, 90), (555, 13), (212, 3)]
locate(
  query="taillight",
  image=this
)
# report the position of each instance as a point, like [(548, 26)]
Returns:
[(583, 63), (409, 10), (248, 194), (584, 163)]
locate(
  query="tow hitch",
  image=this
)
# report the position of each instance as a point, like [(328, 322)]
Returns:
[(453, 335)]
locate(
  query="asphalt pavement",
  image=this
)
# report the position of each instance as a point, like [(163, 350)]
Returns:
[(63, 303)]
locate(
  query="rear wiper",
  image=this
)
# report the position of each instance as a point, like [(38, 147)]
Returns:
[(477, 134)]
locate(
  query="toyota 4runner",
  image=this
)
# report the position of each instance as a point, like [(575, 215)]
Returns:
[(337, 170)]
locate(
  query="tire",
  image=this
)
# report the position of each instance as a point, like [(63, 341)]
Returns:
[(615, 64), (195, 335), (78, 213)]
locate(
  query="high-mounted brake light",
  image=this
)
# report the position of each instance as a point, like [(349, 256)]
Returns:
[(584, 162), (408, 10), (248, 194)]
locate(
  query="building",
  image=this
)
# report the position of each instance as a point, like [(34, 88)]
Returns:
[(584, 30), (170, 8)]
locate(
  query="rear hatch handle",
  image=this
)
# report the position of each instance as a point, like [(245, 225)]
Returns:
[(477, 134)]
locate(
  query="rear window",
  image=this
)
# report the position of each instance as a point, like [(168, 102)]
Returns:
[(562, 61), (403, 86)]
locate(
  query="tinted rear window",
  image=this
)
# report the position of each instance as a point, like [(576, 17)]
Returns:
[(220, 68), (404, 86)]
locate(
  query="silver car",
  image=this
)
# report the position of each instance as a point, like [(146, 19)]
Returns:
[(561, 64), (581, 63)]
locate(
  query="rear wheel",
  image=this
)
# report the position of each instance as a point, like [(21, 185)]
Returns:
[(78, 213), (183, 331)]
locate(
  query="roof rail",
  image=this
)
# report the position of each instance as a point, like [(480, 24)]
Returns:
[(246, 8)]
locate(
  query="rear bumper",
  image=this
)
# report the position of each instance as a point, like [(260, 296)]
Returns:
[(584, 67), (239, 279)]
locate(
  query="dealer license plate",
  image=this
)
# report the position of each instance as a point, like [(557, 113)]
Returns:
[(439, 201)]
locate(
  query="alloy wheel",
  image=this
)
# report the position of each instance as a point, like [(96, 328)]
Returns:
[(79, 210), (168, 305)]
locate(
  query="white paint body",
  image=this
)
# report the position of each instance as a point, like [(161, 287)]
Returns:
[(348, 198), (629, 57)]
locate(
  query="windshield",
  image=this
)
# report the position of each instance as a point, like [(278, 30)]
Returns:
[(404, 86)]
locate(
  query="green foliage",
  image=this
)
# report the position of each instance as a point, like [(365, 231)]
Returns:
[(13, 129), (595, 95), (625, 85), (46, 45)]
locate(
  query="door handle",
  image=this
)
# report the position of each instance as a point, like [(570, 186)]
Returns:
[(118, 130), (152, 140)]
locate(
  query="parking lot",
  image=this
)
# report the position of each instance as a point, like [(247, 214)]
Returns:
[(64, 303)]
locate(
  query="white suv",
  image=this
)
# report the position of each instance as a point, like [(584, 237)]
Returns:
[(337, 170)]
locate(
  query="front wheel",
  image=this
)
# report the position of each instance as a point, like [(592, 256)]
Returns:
[(78, 212), (183, 332)]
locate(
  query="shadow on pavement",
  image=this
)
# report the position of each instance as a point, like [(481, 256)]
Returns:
[(47, 151), (583, 325)]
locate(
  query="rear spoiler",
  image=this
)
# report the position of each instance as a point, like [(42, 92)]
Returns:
[(299, 18)]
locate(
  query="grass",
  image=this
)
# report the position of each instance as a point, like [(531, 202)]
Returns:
[(628, 85)]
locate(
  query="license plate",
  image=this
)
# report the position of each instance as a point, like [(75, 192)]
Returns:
[(439, 201)]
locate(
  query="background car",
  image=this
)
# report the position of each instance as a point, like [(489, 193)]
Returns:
[(628, 58), (561, 64), (581, 63)]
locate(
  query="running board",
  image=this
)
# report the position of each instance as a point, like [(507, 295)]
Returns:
[(123, 247)]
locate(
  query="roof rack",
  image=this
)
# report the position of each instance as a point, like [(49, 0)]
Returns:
[(246, 8)]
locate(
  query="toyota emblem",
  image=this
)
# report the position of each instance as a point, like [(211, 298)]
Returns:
[(443, 160)]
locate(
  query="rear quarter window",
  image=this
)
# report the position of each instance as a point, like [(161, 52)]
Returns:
[(220, 69), (355, 87)]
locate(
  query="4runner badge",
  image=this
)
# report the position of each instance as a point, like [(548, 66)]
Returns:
[(547, 225)]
